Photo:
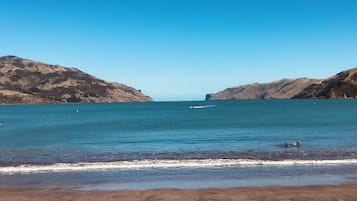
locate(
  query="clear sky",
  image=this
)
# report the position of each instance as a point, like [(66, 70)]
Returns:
[(183, 49)]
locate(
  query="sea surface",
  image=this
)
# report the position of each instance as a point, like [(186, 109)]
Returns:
[(197, 144)]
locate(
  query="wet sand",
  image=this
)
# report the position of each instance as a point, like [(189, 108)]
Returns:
[(346, 192)]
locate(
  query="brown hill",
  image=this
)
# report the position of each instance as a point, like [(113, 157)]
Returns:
[(342, 85), (26, 81)]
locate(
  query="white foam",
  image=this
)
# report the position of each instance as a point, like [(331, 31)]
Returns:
[(147, 164)]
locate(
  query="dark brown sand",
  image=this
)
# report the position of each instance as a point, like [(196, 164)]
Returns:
[(346, 192)]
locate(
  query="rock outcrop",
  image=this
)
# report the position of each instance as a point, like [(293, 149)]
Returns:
[(26, 81), (342, 85)]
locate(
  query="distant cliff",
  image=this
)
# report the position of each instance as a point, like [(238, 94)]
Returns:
[(26, 81), (342, 85)]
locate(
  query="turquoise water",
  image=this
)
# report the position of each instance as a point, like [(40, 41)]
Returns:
[(146, 133)]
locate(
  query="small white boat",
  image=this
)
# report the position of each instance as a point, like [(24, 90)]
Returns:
[(200, 106)]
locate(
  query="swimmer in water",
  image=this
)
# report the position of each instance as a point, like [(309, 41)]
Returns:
[(297, 143)]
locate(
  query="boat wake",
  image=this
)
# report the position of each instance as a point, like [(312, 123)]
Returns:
[(200, 106)]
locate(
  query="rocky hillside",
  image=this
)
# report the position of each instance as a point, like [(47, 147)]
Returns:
[(342, 85), (26, 81)]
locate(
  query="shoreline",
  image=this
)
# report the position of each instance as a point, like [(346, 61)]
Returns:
[(345, 192)]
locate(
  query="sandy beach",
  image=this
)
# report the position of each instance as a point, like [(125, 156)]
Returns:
[(306, 193)]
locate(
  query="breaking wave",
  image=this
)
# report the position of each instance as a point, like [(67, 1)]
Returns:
[(149, 164)]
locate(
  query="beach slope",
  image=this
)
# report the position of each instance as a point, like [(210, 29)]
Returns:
[(306, 193)]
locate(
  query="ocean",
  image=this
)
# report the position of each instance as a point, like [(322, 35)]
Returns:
[(199, 144)]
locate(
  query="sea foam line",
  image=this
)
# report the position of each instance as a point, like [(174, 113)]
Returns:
[(147, 164)]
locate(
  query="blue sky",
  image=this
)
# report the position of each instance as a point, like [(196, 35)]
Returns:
[(181, 50)]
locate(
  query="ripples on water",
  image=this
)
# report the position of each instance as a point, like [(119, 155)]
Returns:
[(232, 135)]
